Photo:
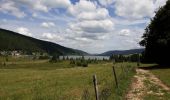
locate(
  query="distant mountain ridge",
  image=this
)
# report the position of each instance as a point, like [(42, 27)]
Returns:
[(10, 41), (123, 52)]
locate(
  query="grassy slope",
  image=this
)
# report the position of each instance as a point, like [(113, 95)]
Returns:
[(43, 80)]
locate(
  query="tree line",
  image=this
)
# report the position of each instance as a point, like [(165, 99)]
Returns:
[(156, 38)]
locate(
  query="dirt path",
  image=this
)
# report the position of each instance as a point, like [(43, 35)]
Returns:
[(145, 83)]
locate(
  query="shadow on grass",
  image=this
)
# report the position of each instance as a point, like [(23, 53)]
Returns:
[(155, 67)]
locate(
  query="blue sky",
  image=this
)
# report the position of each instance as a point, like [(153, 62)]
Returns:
[(94, 26)]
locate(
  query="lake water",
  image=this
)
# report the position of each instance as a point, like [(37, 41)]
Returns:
[(86, 57)]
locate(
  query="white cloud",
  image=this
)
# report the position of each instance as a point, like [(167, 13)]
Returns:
[(91, 29), (57, 3), (81, 6), (93, 22), (125, 32), (47, 24), (128, 22), (100, 13), (24, 31), (52, 37), (106, 2), (37, 5), (132, 35), (134, 8), (93, 26), (34, 15), (137, 9), (10, 8), (44, 5)]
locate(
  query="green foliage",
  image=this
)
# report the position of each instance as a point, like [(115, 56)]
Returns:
[(105, 93), (156, 38), (43, 57), (84, 64), (64, 58), (79, 62), (67, 58), (54, 59), (118, 58), (93, 61), (126, 58), (6, 59), (72, 62), (4, 63)]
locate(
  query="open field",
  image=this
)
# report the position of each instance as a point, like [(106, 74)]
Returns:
[(39, 79)]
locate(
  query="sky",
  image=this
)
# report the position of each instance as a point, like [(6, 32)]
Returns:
[(94, 26)]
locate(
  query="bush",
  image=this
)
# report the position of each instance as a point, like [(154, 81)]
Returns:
[(84, 64), (78, 63), (54, 59), (6, 59), (43, 57), (72, 62), (81, 62)]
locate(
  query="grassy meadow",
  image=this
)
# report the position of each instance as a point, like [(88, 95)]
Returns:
[(25, 79)]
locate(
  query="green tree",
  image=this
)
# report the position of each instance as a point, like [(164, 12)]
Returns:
[(54, 59), (156, 38)]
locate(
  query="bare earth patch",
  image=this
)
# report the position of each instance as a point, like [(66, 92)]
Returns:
[(145, 83)]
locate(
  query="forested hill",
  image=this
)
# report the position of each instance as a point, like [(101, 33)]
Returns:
[(122, 52), (14, 41)]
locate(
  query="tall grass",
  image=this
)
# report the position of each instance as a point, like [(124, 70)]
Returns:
[(59, 81)]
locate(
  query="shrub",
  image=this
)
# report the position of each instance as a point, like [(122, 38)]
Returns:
[(81, 62), (78, 63), (72, 62), (6, 59), (54, 59), (43, 57), (84, 64)]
